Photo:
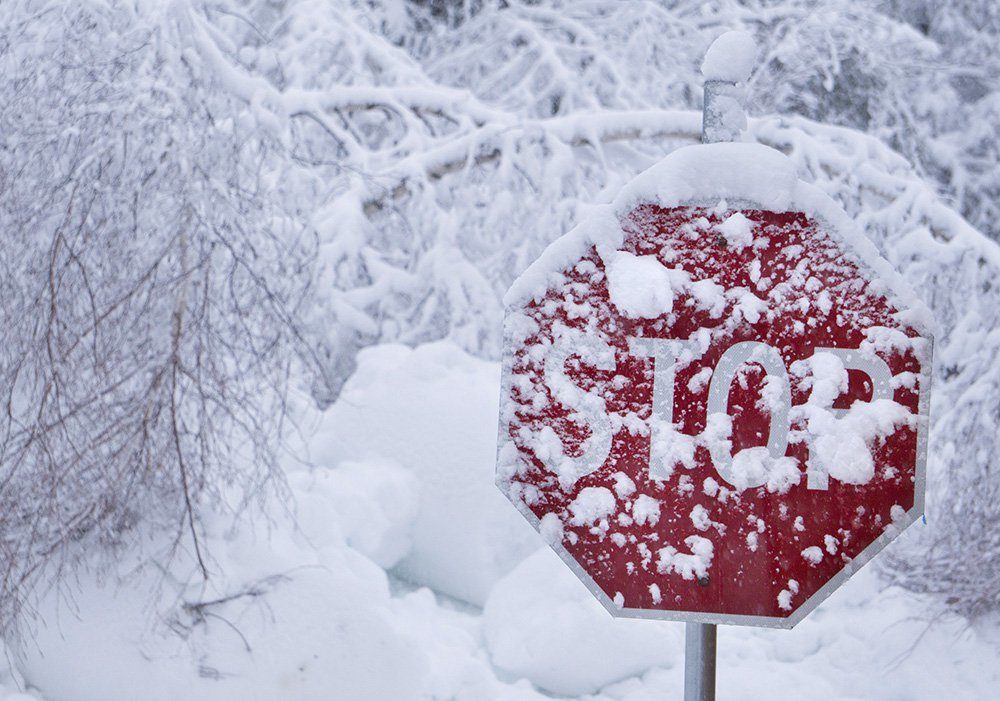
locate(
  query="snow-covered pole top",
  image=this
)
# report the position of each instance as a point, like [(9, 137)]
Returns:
[(726, 68)]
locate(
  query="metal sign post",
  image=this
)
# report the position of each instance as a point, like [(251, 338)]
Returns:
[(723, 118), (699, 662)]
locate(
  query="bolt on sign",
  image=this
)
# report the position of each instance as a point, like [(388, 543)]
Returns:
[(715, 394)]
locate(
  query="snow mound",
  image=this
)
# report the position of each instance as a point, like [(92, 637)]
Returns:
[(542, 624), (369, 505), (291, 611), (433, 411), (307, 627), (298, 614)]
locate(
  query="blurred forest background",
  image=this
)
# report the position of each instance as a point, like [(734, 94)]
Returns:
[(210, 208)]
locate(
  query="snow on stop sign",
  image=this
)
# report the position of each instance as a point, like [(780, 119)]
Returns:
[(715, 394)]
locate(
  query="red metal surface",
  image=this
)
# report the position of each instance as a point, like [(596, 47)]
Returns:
[(741, 580)]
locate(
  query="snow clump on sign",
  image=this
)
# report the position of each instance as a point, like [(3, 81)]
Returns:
[(842, 445), (785, 595), (551, 529), (592, 504), (687, 565), (813, 554), (670, 448), (624, 486), (828, 378), (646, 509), (639, 285), (738, 230), (755, 466), (700, 518)]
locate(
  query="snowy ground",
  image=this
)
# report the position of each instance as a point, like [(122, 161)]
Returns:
[(404, 574)]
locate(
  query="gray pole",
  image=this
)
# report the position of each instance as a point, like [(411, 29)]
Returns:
[(699, 638), (699, 662), (727, 67), (723, 118)]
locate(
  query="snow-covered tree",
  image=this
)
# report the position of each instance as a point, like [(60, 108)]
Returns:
[(152, 280)]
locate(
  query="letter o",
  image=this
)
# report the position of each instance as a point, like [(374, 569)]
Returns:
[(718, 400)]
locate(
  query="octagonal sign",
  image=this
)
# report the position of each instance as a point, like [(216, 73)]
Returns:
[(715, 394)]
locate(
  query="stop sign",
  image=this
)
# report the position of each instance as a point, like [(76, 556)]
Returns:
[(715, 392)]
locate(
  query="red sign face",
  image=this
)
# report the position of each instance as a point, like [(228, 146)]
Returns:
[(717, 421)]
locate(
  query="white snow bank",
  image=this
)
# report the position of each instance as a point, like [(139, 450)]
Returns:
[(325, 626), (301, 608), (542, 624), (310, 626), (292, 611), (730, 57), (866, 641), (433, 411), (11, 684), (370, 505)]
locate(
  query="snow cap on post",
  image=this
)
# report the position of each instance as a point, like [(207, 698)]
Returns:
[(726, 68)]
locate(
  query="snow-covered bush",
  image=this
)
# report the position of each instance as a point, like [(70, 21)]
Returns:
[(151, 280)]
